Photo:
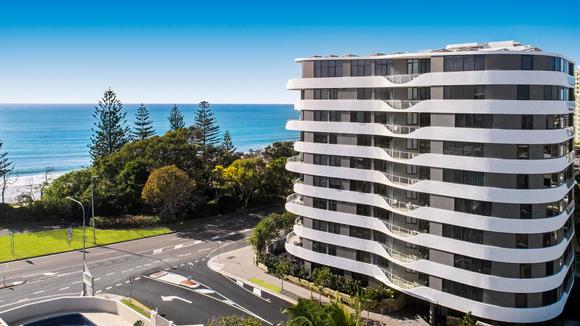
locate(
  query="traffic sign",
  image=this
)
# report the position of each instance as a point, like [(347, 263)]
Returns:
[(189, 266)]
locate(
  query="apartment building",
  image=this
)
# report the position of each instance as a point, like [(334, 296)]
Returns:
[(445, 174), (577, 112)]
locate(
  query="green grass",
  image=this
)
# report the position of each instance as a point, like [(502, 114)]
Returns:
[(265, 284), (32, 244), (138, 307)]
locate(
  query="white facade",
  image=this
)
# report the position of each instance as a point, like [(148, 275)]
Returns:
[(446, 174), (577, 112)]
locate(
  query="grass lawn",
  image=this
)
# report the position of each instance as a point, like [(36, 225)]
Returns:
[(265, 284), (32, 244), (138, 307)]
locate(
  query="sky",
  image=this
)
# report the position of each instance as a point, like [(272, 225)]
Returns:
[(238, 51)]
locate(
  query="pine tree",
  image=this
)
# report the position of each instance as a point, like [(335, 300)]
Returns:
[(110, 131), (6, 167), (205, 128), (228, 150), (143, 125), (176, 118)]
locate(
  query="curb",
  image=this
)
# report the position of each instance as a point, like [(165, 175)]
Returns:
[(211, 262)]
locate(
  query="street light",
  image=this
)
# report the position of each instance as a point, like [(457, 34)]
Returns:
[(84, 230), (93, 209)]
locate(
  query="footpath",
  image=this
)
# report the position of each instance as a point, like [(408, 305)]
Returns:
[(239, 266)]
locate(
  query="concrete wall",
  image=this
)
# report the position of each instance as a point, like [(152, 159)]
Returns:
[(66, 305)]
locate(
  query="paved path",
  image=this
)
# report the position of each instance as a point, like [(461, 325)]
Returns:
[(239, 265)]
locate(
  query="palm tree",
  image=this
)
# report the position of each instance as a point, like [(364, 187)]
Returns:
[(311, 313)]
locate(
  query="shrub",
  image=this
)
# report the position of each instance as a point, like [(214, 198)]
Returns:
[(227, 204), (126, 221), (168, 189)]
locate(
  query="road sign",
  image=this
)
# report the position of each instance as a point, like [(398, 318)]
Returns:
[(189, 266), (11, 234), (70, 233), (132, 279)]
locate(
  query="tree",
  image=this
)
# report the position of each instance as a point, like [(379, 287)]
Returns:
[(176, 119), (205, 128), (269, 228), (277, 180), (243, 178), (6, 167), (228, 150), (168, 189), (279, 149), (311, 313), (143, 124), (110, 132), (468, 319), (282, 268), (322, 277)]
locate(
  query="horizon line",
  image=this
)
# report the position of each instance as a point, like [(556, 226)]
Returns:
[(171, 103)]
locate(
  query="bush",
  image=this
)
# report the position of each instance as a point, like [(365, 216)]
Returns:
[(126, 221), (168, 190)]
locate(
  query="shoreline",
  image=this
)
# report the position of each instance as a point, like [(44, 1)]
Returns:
[(19, 185)]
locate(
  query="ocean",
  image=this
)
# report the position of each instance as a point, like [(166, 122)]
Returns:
[(55, 136)]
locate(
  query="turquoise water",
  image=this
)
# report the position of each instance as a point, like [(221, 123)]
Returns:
[(40, 136)]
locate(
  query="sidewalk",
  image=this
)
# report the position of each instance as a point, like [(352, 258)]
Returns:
[(239, 265)]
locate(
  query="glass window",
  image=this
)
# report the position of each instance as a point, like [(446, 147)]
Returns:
[(523, 92), (412, 66), (479, 62), (527, 62), (521, 241), (360, 68), (523, 152), (527, 122)]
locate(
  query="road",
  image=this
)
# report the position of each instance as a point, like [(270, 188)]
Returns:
[(113, 265)]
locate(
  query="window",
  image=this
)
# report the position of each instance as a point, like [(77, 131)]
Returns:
[(523, 152), (363, 140), (360, 116), (384, 68), (334, 160), (412, 169), (479, 62), (360, 233), (412, 118), (319, 181), (474, 120), (461, 233), (332, 205), (360, 68), (473, 206), (521, 241), (464, 177), (527, 62), (463, 149), (523, 181), (327, 68), (521, 300), (525, 270), (412, 143), (364, 93), (412, 66), (319, 203), (332, 250), (527, 122), (319, 159), (525, 211), (523, 92), (334, 227), (364, 210), (326, 94), (320, 138), (335, 183), (453, 63), (320, 115), (462, 290), (472, 264)]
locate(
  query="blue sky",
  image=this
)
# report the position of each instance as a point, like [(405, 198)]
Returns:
[(238, 51)]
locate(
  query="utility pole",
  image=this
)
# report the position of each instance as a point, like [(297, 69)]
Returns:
[(93, 209)]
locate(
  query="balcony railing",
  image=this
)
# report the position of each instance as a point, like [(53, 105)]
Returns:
[(570, 131), (295, 198), (398, 230), (399, 179), (293, 239), (401, 205), (399, 281), (400, 154), (401, 104), (402, 130), (401, 256), (298, 181), (294, 159), (401, 79), (571, 105)]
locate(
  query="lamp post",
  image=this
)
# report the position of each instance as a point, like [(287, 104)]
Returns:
[(84, 230), (93, 209)]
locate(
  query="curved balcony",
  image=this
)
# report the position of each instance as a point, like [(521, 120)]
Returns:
[(293, 239), (399, 179), (295, 158), (401, 79), (401, 256), (400, 205), (398, 230), (401, 104), (400, 154), (401, 130), (571, 131), (399, 281), (295, 198)]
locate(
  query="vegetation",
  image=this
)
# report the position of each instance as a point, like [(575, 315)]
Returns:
[(311, 313), (176, 119), (265, 284), (138, 307), (32, 244), (205, 133), (168, 189), (468, 320), (110, 132), (235, 321), (6, 167), (269, 228), (143, 124)]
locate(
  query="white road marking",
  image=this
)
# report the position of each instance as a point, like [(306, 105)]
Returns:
[(181, 265), (157, 251), (49, 274), (109, 287), (99, 291), (197, 261), (112, 273), (64, 288), (179, 246), (77, 282), (183, 255), (232, 233), (204, 249), (126, 282), (38, 292), (98, 278), (139, 266), (137, 279), (204, 291), (147, 265), (22, 300), (173, 297), (127, 270), (119, 284)]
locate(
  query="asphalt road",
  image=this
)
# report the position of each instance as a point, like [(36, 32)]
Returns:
[(112, 266)]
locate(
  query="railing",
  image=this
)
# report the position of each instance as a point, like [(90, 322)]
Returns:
[(571, 105), (298, 221), (570, 207), (298, 181), (398, 230), (570, 131), (401, 104), (400, 154), (401, 79), (399, 179), (289, 239), (289, 236), (294, 159), (401, 256), (397, 129), (570, 156), (399, 281), (401, 205), (295, 198)]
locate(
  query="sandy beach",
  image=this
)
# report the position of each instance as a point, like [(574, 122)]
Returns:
[(26, 185)]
